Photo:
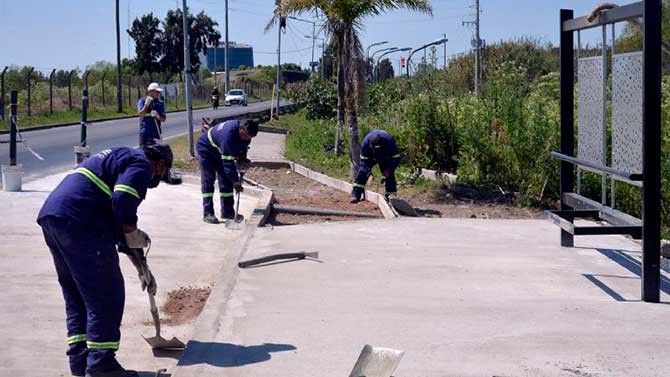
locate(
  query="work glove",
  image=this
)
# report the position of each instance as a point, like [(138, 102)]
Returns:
[(238, 186), (148, 100), (137, 239), (155, 114)]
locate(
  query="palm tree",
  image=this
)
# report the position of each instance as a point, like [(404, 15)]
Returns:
[(344, 21)]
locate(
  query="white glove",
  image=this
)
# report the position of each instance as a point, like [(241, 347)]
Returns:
[(154, 114), (137, 239)]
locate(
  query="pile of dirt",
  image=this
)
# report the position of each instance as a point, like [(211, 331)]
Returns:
[(291, 188), (458, 202), (184, 305)]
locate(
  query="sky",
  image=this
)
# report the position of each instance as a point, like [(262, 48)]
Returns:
[(67, 34)]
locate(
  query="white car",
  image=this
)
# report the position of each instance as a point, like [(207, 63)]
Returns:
[(236, 97)]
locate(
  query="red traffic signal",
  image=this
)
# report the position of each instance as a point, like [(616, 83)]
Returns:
[(403, 61)]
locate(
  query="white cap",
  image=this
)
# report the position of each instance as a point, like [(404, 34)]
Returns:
[(154, 86)]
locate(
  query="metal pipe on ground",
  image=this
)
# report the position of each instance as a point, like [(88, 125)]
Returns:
[(300, 210)]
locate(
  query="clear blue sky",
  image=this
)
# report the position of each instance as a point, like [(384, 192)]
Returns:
[(74, 33)]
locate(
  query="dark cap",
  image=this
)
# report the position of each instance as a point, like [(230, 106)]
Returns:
[(159, 150)]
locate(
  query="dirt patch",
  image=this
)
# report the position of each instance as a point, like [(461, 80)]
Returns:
[(184, 305), (291, 188), (446, 202)]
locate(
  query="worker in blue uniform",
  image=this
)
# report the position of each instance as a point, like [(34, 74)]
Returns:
[(151, 111), (219, 147), (378, 147), (85, 217)]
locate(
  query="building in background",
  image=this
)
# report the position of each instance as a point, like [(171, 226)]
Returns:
[(240, 55)]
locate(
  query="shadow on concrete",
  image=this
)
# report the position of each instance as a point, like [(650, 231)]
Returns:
[(629, 263), (282, 262), (227, 355), (153, 374)]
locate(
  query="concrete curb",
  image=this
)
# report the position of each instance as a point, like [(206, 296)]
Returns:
[(433, 175), (373, 197), (209, 322)]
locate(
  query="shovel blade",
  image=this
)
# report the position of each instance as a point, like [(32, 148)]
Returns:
[(160, 343)]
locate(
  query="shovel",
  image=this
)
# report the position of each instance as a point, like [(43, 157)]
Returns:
[(157, 342)]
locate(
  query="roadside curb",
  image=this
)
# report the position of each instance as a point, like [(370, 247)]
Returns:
[(208, 324)]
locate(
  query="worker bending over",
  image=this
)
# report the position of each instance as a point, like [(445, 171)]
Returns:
[(378, 147), (91, 211), (218, 149)]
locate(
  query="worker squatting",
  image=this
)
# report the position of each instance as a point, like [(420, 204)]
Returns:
[(92, 215)]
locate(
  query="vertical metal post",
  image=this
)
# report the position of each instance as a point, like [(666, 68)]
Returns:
[(176, 97), (477, 50), (130, 85), (603, 177), (119, 88), (84, 117), (13, 112), (651, 152), (86, 79), (187, 74), (51, 91), (567, 85), (613, 181), (69, 89), (102, 83), (2, 94), (579, 55), (279, 22), (445, 51), (226, 59), (28, 77)]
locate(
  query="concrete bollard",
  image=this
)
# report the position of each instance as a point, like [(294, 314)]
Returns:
[(11, 177)]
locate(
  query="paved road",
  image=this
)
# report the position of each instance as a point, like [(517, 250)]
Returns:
[(56, 144)]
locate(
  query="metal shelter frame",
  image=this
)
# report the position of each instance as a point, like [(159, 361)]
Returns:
[(573, 204)]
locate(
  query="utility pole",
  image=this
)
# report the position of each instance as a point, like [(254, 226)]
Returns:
[(187, 75), (477, 45), (478, 51), (313, 43), (119, 95), (225, 58), (279, 24), (445, 51)]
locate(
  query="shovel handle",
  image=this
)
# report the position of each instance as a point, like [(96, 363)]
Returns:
[(154, 314)]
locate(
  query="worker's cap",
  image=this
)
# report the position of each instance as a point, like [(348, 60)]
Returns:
[(159, 150), (154, 86), (378, 142)]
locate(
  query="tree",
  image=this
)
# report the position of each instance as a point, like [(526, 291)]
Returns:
[(201, 31), (148, 42), (344, 20), (385, 70)]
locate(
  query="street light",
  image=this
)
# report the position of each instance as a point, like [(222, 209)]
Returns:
[(367, 51), (386, 53), (313, 37), (437, 42), (381, 50)]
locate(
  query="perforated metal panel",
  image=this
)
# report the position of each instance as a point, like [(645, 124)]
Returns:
[(627, 88), (590, 110)]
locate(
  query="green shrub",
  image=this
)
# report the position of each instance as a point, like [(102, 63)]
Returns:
[(319, 95)]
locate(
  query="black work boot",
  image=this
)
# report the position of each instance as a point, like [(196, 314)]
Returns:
[(210, 219), (231, 216), (118, 371)]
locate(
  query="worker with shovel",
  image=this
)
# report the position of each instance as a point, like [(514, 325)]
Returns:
[(378, 147), (151, 111), (218, 149), (92, 210)]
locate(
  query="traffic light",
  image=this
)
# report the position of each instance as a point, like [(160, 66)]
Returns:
[(403, 62)]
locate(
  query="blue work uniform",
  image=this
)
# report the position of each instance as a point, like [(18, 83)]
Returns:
[(218, 149), (388, 159), (150, 127), (81, 221)]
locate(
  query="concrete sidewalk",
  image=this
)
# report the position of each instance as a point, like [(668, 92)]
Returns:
[(461, 297), (185, 252)]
